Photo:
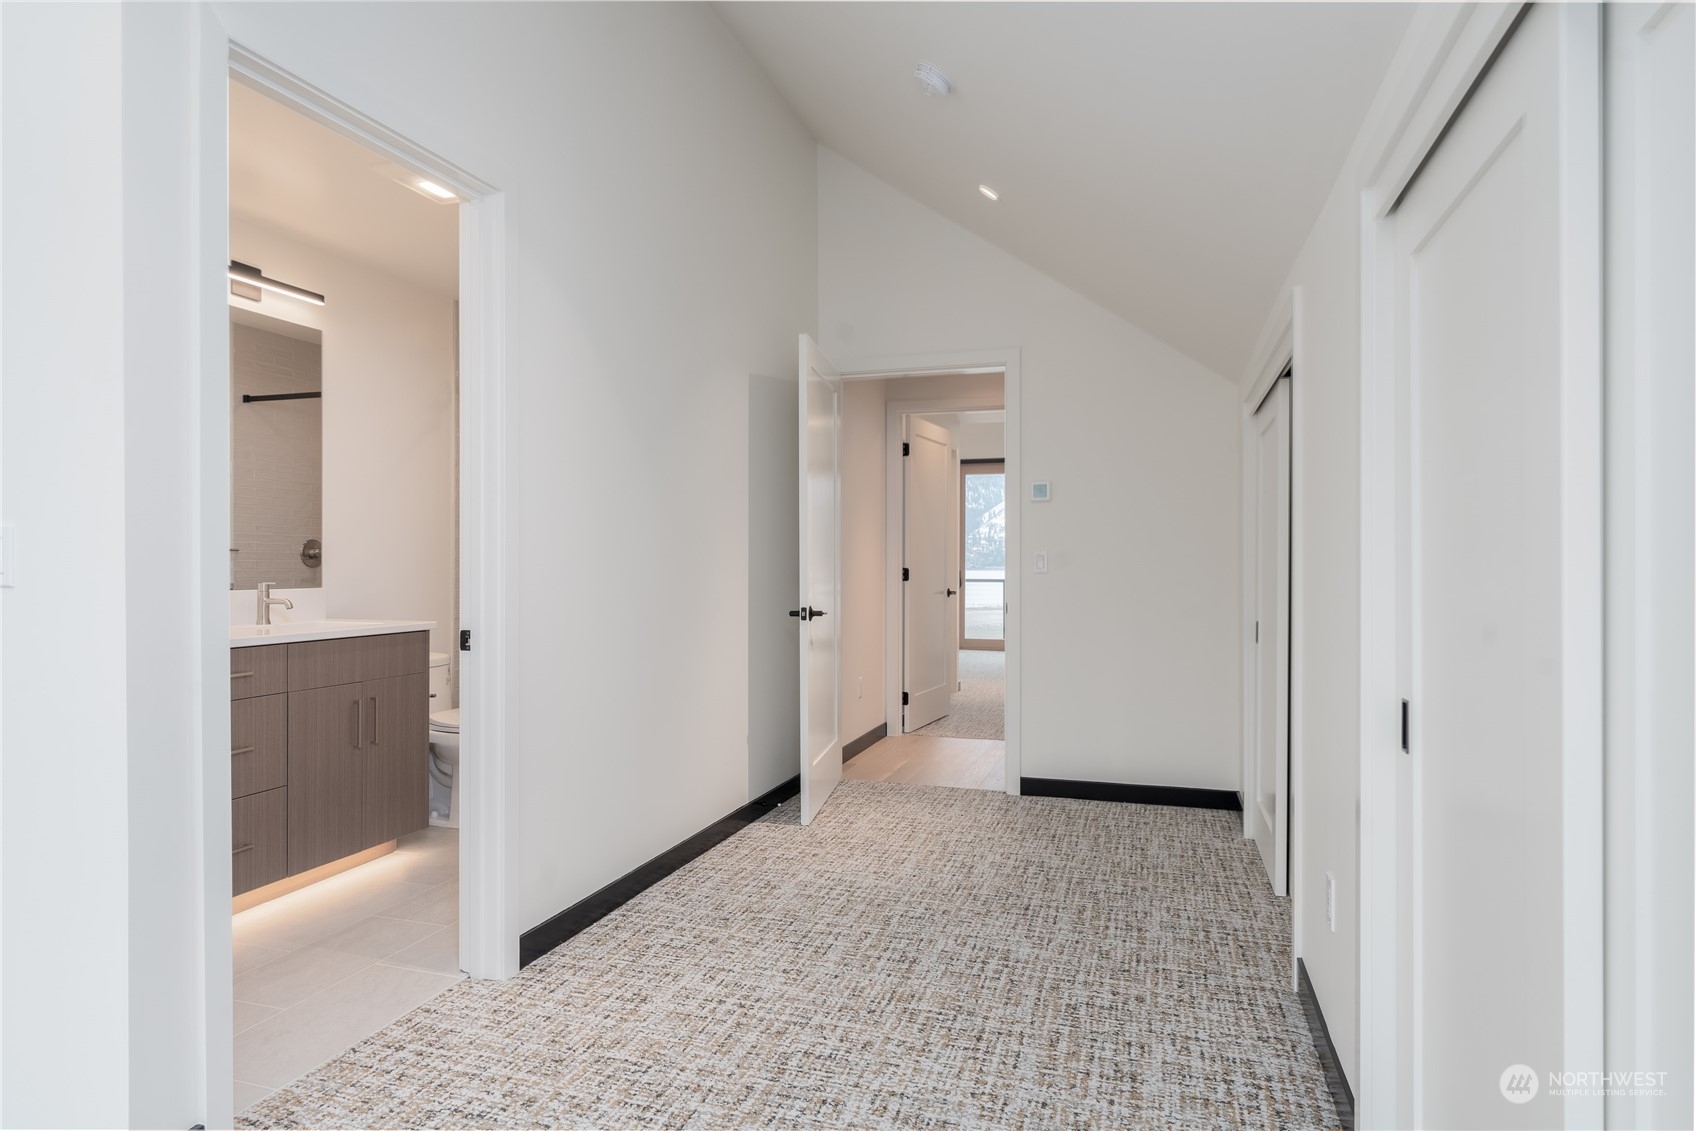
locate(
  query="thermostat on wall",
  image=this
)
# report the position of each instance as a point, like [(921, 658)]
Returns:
[(1039, 492)]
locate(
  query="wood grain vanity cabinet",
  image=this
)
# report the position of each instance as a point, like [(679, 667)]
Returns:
[(329, 750)]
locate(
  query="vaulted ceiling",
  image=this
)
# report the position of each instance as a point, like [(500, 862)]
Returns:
[(1165, 160)]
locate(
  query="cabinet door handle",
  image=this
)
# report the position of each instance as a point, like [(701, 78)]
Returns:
[(241, 675), (242, 849), (243, 750), (376, 723), (359, 724)]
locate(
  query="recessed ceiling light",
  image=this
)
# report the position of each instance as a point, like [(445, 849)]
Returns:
[(931, 79), (406, 178), (989, 192)]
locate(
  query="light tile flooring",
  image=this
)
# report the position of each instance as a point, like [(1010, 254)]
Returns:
[(921, 759), (319, 970)]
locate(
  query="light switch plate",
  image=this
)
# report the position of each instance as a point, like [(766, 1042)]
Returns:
[(1039, 491), (1041, 565)]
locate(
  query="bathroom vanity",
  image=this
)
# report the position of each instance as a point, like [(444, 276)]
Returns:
[(329, 743)]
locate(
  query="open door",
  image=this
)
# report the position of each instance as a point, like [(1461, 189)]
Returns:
[(819, 615), (1270, 787), (932, 574)]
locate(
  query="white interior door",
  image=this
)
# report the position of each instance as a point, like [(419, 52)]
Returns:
[(932, 580), (820, 585), (1496, 474), (1271, 779)]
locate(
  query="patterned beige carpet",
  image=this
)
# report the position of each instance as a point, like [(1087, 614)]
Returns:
[(978, 709), (916, 957)]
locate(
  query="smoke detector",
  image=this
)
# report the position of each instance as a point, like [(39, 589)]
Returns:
[(931, 80)]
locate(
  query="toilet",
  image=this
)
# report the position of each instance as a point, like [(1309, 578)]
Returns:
[(444, 746), (444, 763)]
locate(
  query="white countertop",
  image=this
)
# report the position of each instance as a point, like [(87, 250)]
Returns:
[(248, 635)]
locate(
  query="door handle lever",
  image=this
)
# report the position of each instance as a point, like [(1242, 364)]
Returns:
[(802, 613), (950, 592), (815, 614)]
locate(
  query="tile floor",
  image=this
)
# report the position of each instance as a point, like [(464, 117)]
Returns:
[(922, 759), (321, 969)]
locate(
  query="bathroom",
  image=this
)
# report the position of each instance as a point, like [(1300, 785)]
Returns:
[(344, 591)]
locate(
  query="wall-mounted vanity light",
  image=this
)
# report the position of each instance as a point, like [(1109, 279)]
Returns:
[(247, 275)]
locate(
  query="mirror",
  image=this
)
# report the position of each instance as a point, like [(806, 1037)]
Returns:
[(276, 452)]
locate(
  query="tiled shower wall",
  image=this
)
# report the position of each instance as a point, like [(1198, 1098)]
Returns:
[(277, 485)]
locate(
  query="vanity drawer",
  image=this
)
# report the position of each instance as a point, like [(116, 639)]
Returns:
[(396, 653), (261, 670), (325, 663), (259, 829), (259, 744), (354, 659)]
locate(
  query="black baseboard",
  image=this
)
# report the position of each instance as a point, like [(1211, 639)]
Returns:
[(1137, 794), (540, 939), (1341, 1094), (865, 741)]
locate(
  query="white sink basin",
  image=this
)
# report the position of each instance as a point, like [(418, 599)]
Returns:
[(298, 628), (246, 635)]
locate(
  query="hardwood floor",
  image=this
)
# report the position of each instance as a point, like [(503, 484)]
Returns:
[(920, 759)]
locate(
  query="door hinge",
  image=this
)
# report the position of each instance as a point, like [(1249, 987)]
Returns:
[(1404, 727), (465, 640), (906, 448), (905, 576), (904, 699)]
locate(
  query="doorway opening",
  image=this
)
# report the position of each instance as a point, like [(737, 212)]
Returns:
[(926, 454), (361, 536)]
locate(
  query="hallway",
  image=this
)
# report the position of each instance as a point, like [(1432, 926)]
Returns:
[(916, 956), (978, 708), (921, 759)]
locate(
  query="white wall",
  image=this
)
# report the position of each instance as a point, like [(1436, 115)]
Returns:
[(661, 254), (103, 698), (1141, 446), (1325, 392), (63, 708), (981, 439), (388, 425), (773, 494)]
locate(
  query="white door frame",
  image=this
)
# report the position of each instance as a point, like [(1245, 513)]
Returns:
[(1649, 655), (918, 365), (487, 946), (1284, 352), (1453, 59)]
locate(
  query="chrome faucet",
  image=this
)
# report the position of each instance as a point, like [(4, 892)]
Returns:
[(266, 601)]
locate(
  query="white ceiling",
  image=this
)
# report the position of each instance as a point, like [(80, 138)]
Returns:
[(291, 173), (1166, 160)]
